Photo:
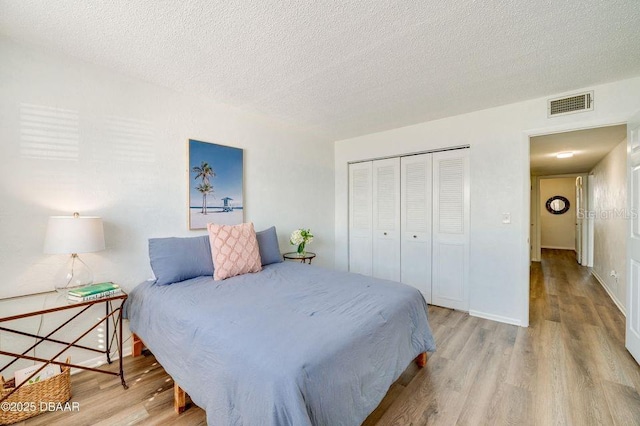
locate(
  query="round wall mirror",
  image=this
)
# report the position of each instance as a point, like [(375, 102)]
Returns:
[(557, 204)]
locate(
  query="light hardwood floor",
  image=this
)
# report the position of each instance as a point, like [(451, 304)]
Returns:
[(568, 368)]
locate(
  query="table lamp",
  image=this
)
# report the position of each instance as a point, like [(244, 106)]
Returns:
[(72, 235)]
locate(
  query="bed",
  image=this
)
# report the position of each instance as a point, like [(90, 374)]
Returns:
[(291, 345)]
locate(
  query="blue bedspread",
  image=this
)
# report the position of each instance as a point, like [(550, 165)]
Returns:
[(291, 345)]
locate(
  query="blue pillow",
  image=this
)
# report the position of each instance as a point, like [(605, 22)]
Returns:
[(178, 259), (268, 246)]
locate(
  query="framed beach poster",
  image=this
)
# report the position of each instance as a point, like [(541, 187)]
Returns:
[(215, 184)]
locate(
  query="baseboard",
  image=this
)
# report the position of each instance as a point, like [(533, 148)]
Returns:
[(101, 360), (497, 318), (611, 295), (558, 248)]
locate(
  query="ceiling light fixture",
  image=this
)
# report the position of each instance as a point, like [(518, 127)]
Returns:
[(564, 155)]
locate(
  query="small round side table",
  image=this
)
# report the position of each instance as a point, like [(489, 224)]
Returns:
[(298, 256)]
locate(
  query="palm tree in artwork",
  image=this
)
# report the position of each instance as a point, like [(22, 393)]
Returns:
[(205, 189), (204, 172)]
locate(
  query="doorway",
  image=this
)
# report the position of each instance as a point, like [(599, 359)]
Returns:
[(586, 170), (558, 219)]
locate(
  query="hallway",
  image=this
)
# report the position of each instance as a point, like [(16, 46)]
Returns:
[(580, 371)]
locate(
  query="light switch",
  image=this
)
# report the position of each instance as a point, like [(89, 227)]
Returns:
[(506, 217)]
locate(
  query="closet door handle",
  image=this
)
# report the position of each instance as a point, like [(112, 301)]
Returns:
[(415, 236), (385, 233)]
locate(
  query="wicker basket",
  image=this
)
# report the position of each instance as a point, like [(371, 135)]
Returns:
[(25, 402)]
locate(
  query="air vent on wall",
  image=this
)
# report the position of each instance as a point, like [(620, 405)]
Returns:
[(570, 104)]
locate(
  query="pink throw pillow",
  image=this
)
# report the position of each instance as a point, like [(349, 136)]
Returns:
[(234, 249)]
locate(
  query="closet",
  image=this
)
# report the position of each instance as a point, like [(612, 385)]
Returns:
[(409, 222)]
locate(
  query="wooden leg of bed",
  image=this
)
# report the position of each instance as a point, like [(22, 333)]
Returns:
[(136, 348), (179, 399), (421, 360)]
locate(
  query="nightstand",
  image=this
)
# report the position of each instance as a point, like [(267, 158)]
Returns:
[(17, 308)]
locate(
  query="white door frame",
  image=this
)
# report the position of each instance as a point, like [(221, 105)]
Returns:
[(534, 218), (590, 221), (632, 326), (525, 168)]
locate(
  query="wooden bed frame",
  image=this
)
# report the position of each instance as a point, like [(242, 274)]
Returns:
[(180, 396)]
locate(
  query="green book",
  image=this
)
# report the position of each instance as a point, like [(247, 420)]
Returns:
[(93, 289)]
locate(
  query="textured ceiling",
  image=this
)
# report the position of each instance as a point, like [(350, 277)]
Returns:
[(589, 147), (345, 68)]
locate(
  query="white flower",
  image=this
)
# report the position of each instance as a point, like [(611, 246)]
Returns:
[(296, 237), (300, 236)]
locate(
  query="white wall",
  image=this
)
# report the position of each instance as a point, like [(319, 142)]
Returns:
[(499, 162), (558, 231), (610, 225), (131, 169)]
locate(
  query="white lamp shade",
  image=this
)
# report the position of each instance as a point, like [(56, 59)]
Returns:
[(69, 235)]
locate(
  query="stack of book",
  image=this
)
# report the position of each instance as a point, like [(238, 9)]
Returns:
[(92, 292)]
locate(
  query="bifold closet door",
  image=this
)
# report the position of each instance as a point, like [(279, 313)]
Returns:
[(451, 229), (386, 218), (416, 208), (360, 218)]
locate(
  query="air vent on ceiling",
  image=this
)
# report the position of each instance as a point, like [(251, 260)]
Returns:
[(570, 104)]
